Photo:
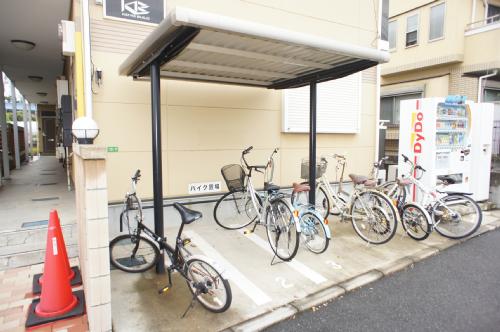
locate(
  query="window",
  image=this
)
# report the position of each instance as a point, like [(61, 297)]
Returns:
[(393, 34), (493, 14), (491, 95), (338, 108), (385, 19), (436, 28), (412, 30), (389, 106)]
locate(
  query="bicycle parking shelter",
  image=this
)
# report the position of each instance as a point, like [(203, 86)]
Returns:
[(204, 47)]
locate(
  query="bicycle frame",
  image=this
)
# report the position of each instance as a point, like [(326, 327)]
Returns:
[(429, 197), (334, 196)]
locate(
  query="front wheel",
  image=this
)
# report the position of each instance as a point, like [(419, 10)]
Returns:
[(235, 210), (314, 232), (458, 216), (212, 290), (281, 229), (416, 221), (374, 217), (132, 253)]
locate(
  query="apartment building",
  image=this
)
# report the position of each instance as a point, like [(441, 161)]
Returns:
[(440, 48)]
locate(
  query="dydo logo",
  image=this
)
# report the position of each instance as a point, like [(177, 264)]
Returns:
[(136, 8), (417, 136)]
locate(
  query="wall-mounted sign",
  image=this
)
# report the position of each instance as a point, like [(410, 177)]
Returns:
[(204, 187), (144, 11), (112, 149)]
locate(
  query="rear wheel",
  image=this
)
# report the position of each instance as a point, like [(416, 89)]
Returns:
[(458, 217), (313, 233), (281, 229), (235, 210), (212, 290), (415, 221), (374, 217), (131, 253)]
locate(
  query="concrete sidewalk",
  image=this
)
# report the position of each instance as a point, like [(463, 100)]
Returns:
[(265, 294), (25, 203)]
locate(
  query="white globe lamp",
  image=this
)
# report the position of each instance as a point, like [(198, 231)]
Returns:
[(85, 130)]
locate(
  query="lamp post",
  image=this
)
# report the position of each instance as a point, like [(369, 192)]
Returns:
[(85, 130)]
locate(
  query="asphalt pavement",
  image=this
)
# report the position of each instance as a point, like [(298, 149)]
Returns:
[(457, 290)]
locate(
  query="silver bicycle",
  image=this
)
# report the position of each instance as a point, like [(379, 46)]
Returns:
[(242, 206), (454, 215), (373, 216)]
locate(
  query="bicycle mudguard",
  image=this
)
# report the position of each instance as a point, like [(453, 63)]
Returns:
[(212, 262)]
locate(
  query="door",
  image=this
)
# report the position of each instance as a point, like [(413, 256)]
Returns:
[(49, 135)]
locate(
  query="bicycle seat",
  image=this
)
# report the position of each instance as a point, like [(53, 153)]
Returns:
[(446, 179), (360, 179), (297, 188), (271, 187), (187, 215)]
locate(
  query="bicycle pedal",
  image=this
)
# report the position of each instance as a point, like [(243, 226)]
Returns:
[(163, 290), (186, 241), (246, 232)]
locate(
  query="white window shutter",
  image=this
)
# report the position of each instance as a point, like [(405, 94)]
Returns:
[(338, 107)]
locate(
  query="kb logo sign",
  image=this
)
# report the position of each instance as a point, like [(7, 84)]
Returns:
[(147, 11)]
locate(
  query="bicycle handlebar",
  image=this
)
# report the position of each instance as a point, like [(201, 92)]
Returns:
[(137, 175), (257, 167)]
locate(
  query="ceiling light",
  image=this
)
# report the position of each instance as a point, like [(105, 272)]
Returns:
[(35, 78), (23, 44), (42, 94)]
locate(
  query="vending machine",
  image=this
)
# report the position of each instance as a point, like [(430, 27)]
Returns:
[(448, 137)]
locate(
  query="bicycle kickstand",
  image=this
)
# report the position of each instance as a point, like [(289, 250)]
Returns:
[(191, 305), (167, 287), (253, 229)]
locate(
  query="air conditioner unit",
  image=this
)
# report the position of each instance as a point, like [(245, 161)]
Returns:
[(67, 35)]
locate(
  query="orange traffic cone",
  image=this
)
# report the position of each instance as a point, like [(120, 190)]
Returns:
[(73, 273), (57, 301)]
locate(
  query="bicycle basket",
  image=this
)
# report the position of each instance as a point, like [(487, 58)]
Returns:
[(234, 175), (320, 168)]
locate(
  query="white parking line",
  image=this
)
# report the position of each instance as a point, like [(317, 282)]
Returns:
[(294, 263), (242, 282)]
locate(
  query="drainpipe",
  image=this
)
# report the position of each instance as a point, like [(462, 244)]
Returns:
[(3, 127), (480, 84), (485, 3), (30, 133), (87, 65), (14, 124), (25, 120)]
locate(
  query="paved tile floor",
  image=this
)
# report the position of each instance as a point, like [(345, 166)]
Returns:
[(16, 297)]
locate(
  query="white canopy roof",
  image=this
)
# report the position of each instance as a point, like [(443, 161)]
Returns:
[(200, 46)]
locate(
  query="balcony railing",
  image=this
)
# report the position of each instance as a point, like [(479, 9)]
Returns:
[(495, 19)]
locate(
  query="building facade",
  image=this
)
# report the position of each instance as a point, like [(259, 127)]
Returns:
[(206, 126), (439, 48)]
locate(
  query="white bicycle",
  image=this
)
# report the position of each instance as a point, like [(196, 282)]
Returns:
[(454, 215), (242, 206), (373, 216)]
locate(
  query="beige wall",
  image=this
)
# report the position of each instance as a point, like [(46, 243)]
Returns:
[(205, 126)]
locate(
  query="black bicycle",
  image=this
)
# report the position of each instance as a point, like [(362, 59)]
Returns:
[(139, 251)]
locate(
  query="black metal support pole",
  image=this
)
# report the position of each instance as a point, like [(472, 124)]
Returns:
[(157, 173), (312, 143)]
